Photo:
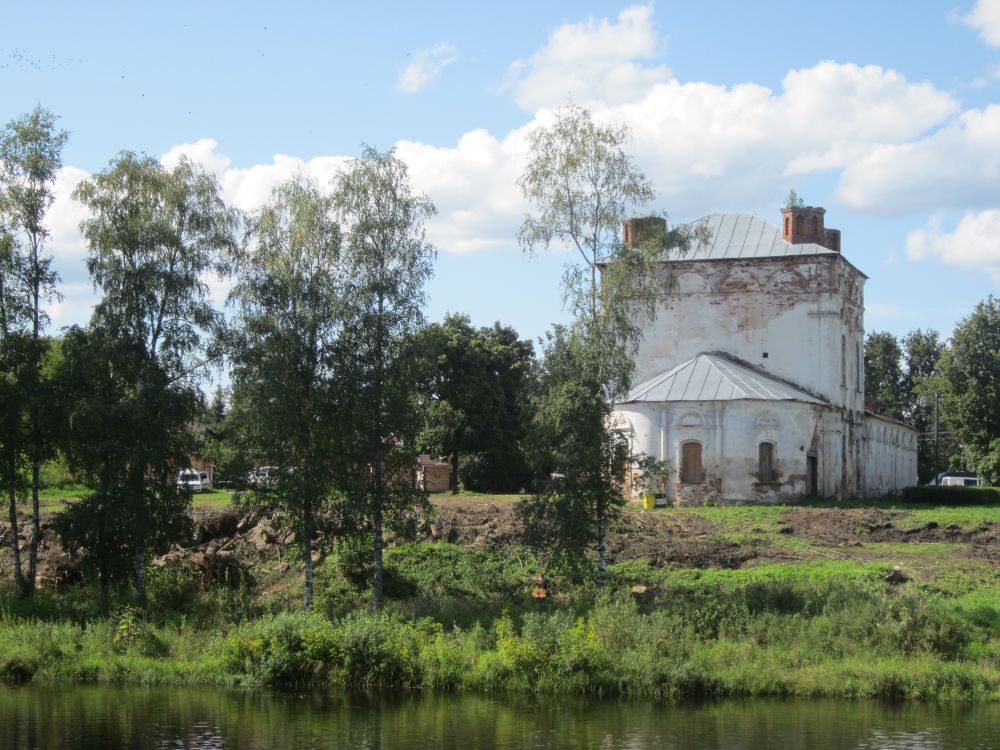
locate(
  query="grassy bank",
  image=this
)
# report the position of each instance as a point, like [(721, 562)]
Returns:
[(461, 619)]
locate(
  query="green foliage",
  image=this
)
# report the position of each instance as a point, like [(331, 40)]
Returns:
[(30, 159), (126, 430), (126, 382), (969, 383), (474, 388), (386, 262), (581, 184), (793, 200), (580, 460), (286, 411), (823, 629), (922, 350), (884, 378), (952, 495)]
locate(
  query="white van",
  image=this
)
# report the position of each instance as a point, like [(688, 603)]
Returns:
[(189, 479)]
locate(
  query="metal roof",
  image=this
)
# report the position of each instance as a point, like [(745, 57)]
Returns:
[(716, 377), (744, 236)]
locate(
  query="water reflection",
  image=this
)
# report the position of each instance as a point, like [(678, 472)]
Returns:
[(89, 717)]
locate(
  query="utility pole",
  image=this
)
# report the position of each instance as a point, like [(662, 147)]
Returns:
[(937, 434)]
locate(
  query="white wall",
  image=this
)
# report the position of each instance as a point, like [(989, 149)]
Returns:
[(730, 433), (794, 309), (890, 456)]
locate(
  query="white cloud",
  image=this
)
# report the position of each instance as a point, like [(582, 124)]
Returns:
[(985, 18), (591, 61), (65, 215), (706, 147), (956, 166), (426, 67), (709, 147), (972, 244)]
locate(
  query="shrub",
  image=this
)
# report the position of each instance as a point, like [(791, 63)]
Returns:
[(952, 495)]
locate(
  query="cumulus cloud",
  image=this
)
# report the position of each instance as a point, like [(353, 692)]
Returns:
[(706, 147), (710, 147), (596, 60), (426, 67), (956, 166), (972, 244), (985, 18), (65, 215)]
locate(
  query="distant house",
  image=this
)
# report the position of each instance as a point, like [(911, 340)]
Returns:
[(432, 474)]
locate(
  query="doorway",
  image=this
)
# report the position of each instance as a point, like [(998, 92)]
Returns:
[(812, 476)]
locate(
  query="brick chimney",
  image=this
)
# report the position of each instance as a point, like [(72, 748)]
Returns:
[(802, 224), (644, 229)]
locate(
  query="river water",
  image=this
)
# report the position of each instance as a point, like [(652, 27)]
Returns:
[(115, 718)]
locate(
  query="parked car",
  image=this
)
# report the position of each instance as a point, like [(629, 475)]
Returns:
[(189, 479), (206, 480), (262, 478)]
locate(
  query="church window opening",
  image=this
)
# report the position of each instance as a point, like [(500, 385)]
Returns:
[(765, 462), (691, 463), (857, 369), (843, 361)]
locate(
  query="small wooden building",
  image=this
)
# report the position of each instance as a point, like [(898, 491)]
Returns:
[(432, 474)]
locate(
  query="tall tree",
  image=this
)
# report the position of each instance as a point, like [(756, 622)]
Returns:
[(284, 345), (970, 388), (921, 352), (126, 433), (386, 262), (14, 314), (30, 158), (582, 185), (154, 236), (475, 385), (885, 381)]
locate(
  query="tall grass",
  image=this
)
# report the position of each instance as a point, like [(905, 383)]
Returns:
[(831, 629)]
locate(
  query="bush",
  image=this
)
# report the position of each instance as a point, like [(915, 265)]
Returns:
[(952, 495)]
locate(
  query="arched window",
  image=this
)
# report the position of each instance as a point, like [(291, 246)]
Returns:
[(691, 463), (765, 462)]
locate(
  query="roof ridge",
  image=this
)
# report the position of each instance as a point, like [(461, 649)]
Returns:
[(754, 383)]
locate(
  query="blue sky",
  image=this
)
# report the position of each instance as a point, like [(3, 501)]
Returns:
[(886, 113)]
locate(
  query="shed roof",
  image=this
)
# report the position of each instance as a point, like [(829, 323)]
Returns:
[(745, 236), (715, 376)]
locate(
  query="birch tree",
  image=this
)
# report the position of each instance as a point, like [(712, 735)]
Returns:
[(30, 159), (582, 185), (386, 262), (154, 237), (283, 350)]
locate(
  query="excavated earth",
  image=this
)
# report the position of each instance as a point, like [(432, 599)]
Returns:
[(225, 546)]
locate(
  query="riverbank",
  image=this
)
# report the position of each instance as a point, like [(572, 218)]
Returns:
[(753, 601)]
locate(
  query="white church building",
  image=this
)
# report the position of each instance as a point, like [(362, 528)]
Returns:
[(749, 382)]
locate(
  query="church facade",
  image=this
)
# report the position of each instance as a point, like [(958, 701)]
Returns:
[(749, 382)]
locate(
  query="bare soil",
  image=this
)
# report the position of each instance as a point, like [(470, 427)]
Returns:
[(224, 545)]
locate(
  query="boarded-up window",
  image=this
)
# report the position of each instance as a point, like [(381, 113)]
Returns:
[(691, 463), (765, 462)]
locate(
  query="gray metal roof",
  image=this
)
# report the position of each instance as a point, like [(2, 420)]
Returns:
[(744, 236), (715, 377)]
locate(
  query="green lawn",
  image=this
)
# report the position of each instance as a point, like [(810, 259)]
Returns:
[(52, 499)]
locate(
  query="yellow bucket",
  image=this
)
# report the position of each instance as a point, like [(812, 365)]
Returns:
[(648, 502)]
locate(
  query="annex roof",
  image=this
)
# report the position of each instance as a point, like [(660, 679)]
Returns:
[(745, 236), (716, 377)]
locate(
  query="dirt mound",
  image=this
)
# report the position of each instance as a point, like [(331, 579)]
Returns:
[(839, 527), (479, 525)]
